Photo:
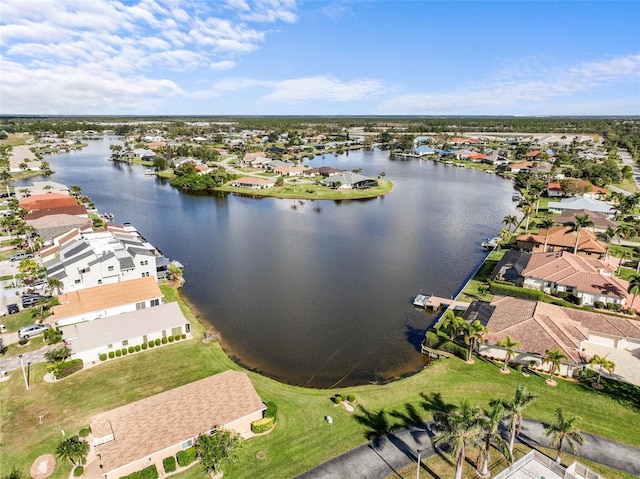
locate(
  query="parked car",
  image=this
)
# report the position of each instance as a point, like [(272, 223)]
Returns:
[(12, 308), (30, 300), (20, 256), (30, 330)]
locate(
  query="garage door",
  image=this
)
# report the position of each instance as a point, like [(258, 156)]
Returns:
[(602, 340)]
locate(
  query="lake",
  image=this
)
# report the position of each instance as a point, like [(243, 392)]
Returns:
[(312, 293)]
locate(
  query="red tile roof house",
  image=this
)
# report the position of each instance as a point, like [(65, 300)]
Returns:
[(589, 279), (253, 182), (133, 437), (563, 238), (541, 326), (554, 190), (47, 200)]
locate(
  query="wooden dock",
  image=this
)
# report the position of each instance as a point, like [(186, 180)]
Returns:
[(435, 303)]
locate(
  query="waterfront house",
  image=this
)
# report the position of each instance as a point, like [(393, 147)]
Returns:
[(600, 221), (554, 190), (588, 279), (52, 225), (253, 182), (88, 339), (562, 238), (47, 200), (106, 300), (137, 435), (582, 203), (349, 180)]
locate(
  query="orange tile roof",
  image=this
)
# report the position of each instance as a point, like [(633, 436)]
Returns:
[(554, 186), (47, 200), (565, 237), (106, 296), (157, 422)]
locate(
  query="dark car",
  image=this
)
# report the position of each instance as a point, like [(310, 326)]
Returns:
[(12, 308)]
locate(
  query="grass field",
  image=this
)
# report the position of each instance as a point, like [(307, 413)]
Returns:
[(306, 191), (302, 438)]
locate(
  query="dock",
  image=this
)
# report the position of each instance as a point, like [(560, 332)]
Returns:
[(435, 303)]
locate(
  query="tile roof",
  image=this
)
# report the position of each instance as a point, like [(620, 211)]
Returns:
[(106, 296), (600, 220), (47, 200), (565, 236), (75, 210), (152, 424)]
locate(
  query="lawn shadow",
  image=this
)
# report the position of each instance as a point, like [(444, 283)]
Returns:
[(624, 393), (434, 403), (415, 336), (376, 422)]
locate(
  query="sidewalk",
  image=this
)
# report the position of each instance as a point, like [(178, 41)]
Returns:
[(386, 455)]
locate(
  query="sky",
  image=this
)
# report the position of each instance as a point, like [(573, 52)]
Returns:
[(333, 57)]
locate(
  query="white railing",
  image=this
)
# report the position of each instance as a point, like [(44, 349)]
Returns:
[(574, 471)]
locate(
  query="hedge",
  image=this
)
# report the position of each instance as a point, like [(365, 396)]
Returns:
[(169, 464), (118, 353), (164, 340), (186, 456), (78, 471), (103, 357), (137, 348), (262, 425), (184, 336), (151, 344), (124, 351), (511, 290), (131, 349), (84, 432), (67, 368), (144, 346), (171, 339), (433, 341), (150, 472)]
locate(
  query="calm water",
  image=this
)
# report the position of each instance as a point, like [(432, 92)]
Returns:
[(315, 293)]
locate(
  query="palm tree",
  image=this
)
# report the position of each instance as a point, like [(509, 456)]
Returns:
[(608, 236), (474, 334), (452, 324), (564, 429), (581, 221), (55, 284), (546, 224), (514, 409), (489, 423), (510, 348), (554, 358), (458, 429), (75, 190), (73, 449), (510, 220), (527, 210), (602, 362)]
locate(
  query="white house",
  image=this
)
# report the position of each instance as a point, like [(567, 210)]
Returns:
[(349, 180), (580, 203), (88, 339), (107, 300)]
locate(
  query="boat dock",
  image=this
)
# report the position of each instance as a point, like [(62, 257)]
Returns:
[(435, 303)]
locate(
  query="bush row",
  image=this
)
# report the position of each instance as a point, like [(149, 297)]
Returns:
[(141, 347), (169, 464), (433, 341), (150, 472), (262, 425), (186, 456), (66, 368), (508, 289)]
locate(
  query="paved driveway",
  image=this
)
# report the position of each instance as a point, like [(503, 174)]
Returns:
[(627, 364)]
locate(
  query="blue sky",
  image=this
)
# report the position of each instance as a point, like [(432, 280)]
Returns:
[(288, 57)]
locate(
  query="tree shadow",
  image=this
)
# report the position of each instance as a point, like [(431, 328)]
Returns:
[(376, 422), (434, 403), (626, 394), (415, 336)]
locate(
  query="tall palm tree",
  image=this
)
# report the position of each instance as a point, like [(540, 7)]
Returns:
[(634, 287), (554, 358), (458, 429), (527, 210), (55, 284), (546, 224), (509, 346), (608, 236), (474, 334), (509, 221), (489, 424), (564, 429), (452, 324), (514, 409), (602, 362), (581, 221)]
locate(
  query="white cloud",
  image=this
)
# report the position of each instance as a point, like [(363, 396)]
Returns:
[(522, 88), (265, 10), (322, 88)]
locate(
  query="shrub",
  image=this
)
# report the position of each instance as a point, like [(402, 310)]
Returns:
[(23, 341), (118, 353), (351, 398), (617, 307), (186, 456), (272, 410), (184, 336), (124, 351), (177, 337), (337, 399), (111, 354), (144, 346), (84, 432), (103, 357), (516, 292), (158, 341), (137, 348), (151, 344), (150, 472), (164, 340), (598, 304), (169, 464), (432, 340), (262, 425), (78, 471), (67, 368), (170, 338), (131, 349)]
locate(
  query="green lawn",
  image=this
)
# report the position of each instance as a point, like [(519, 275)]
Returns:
[(313, 192), (301, 432)]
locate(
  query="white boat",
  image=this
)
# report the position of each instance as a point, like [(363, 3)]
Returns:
[(148, 172), (421, 300), (491, 243)]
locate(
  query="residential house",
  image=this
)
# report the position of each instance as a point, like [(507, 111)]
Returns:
[(290, 170), (581, 203), (554, 190), (600, 221), (253, 182), (107, 300), (562, 238), (588, 279), (47, 200), (536, 464), (322, 171), (50, 226), (424, 151), (520, 166), (43, 187), (137, 435), (349, 180), (87, 340), (539, 327)]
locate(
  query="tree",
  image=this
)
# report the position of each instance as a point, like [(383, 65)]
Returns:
[(453, 325), (554, 358), (75, 190), (547, 224), (608, 236), (458, 428), (581, 221), (510, 220), (564, 429), (634, 287), (527, 210), (474, 334), (514, 409), (602, 362), (73, 449), (57, 355), (55, 284), (219, 448), (489, 424), (509, 346)]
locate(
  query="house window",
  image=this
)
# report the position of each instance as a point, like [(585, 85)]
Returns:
[(141, 305), (155, 302), (109, 346), (145, 274), (187, 444), (144, 263), (110, 268), (187, 328), (99, 281), (144, 339), (77, 281), (125, 343)]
